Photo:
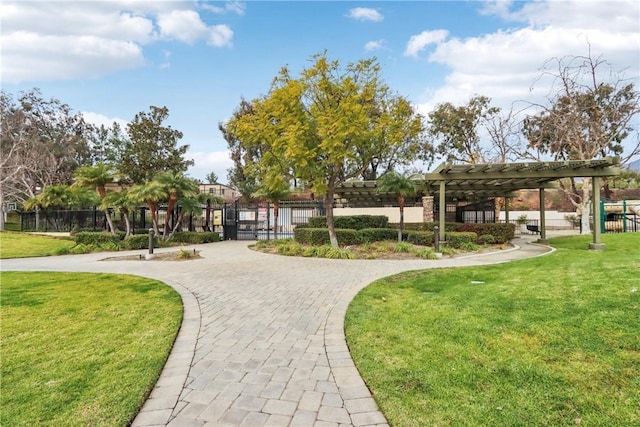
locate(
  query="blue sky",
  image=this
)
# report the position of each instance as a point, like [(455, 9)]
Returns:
[(110, 60)]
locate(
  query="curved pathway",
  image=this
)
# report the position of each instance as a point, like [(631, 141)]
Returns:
[(262, 341)]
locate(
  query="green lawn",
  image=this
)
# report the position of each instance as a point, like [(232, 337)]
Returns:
[(82, 349), (549, 341), (21, 245)]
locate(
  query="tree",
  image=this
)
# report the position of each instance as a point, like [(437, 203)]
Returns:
[(274, 193), (585, 118), (150, 193), (456, 129), (241, 154), (400, 185), (152, 147), (42, 142), (175, 186), (96, 178), (325, 127), (212, 178), (123, 202), (208, 199)]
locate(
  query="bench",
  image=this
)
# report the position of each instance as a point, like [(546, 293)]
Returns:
[(533, 228)]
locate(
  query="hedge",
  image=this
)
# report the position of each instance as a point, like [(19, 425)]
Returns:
[(195, 237), (97, 238), (377, 234), (501, 232), (428, 226), (140, 241), (320, 236), (457, 239), (422, 238), (352, 222)]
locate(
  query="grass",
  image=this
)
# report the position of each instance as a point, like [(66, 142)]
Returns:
[(21, 245), (548, 341), (82, 349)]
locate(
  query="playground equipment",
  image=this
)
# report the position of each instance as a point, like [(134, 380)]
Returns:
[(620, 217)]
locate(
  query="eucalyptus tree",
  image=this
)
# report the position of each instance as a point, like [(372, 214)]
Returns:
[(456, 129), (325, 127), (585, 117)]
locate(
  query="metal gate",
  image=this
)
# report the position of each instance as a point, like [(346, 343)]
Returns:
[(257, 221)]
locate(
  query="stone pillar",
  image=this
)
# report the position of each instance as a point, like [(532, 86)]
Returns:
[(427, 209)]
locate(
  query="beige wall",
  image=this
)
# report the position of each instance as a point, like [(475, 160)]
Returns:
[(411, 214)]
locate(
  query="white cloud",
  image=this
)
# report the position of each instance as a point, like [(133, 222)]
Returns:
[(220, 35), (69, 40), (100, 119), (419, 42), (30, 56), (506, 65), (236, 7), (374, 45), (183, 25), (365, 14), (213, 161)]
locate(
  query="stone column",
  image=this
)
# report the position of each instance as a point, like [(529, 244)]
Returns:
[(427, 209)]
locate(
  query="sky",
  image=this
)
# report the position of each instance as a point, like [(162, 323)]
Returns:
[(112, 59)]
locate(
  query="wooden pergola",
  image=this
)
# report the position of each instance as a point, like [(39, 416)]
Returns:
[(484, 181)]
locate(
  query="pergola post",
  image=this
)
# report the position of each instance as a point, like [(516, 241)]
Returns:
[(506, 209), (597, 244), (543, 225), (443, 208)]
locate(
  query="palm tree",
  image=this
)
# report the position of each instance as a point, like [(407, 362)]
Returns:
[(97, 177), (208, 199), (176, 186), (187, 206), (150, 193), (122, 201), (400, 185), (279, 191)]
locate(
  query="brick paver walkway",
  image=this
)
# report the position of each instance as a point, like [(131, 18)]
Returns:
[(262, 341)]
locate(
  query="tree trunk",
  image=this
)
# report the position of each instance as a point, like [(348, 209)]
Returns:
[(107, 215), (127, 223), (170, 206), (585, 208), (328, 206), (276, 209), (2, 216), (207, 216), (400, 229)]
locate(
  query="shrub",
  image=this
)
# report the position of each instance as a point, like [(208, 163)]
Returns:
[(80, 249), (353, 222), (97, 239), (378, 234), (458, 240), (501, 232), (425, 253), (195, 238), (428, 226), (487, 239), (139, 241), (423, 238), (403, 247), (320, 236)]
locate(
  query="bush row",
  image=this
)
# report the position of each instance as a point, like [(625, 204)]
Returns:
[(320, 236), (139, 241), (495, 232), (352, 222)]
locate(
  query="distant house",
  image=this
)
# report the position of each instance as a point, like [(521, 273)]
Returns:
[(227, 193)]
